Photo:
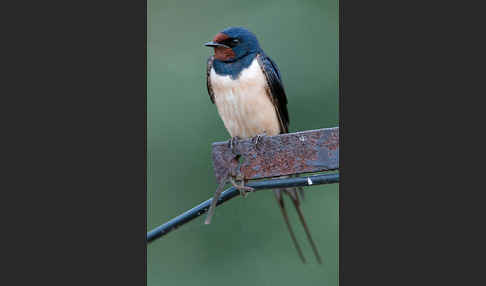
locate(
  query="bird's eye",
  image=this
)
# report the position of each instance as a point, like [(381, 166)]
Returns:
[(235, 41)]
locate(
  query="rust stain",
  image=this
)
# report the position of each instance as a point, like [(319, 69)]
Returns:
[(281, 155)]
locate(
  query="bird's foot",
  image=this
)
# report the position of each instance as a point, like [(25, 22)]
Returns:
[(244, 190), (232, 143), (257, 139)]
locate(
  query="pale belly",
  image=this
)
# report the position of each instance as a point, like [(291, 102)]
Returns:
[(243, 104)]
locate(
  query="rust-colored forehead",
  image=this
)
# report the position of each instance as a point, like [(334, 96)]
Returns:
[(220, 37)]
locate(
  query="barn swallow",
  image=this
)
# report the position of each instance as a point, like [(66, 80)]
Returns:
[(246, 87)]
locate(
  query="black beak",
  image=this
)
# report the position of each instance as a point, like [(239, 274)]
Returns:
[(214, 44)]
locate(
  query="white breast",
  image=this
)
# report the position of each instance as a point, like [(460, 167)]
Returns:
[(243, 103)]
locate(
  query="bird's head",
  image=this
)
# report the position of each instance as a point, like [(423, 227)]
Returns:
[(233, 43)]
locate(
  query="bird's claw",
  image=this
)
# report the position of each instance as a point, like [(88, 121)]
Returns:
[(242, 188), (232, 143), (258, 138)]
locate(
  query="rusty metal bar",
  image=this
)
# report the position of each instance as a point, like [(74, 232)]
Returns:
[(274, 156), (232, 192)]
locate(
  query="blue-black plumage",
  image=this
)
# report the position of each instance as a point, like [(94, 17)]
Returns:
[(236, 50), (246, 86)]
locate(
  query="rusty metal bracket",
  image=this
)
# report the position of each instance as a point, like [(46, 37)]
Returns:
[(274, 156)]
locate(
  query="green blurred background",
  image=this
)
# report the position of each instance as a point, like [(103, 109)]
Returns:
[(247, 242)]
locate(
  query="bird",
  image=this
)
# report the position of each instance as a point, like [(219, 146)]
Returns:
[(246, 86)]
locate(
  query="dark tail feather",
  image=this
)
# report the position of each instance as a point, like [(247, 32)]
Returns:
[(295, 200), (280, 202), (301, 193), (300, 189)]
